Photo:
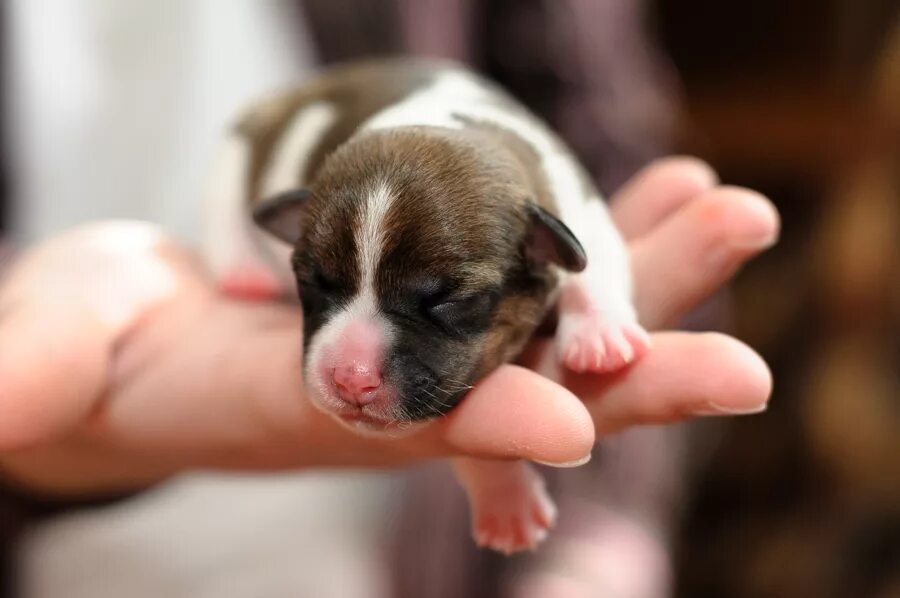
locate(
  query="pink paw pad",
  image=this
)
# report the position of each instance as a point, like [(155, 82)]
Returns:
[(595, 343), (514, 514), (250, 282)]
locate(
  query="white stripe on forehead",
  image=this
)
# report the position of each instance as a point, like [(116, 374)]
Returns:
[(369, 239), (370, 236)]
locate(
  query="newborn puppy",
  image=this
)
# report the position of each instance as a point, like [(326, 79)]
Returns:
[(430, 223)]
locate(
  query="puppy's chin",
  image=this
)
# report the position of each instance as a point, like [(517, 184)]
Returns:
[(362, 421)]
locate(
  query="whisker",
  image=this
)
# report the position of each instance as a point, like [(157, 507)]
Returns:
[(435, 397)]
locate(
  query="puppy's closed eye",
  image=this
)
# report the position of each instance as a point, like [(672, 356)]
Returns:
[(326, 282), (310, 274), (319, 290), (467, 315)]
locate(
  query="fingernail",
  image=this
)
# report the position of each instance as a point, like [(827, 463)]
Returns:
[(759, 224), (756, 243), (567, 464), (713, 408)]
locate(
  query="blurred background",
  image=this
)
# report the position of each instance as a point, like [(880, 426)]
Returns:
[(113, 108)]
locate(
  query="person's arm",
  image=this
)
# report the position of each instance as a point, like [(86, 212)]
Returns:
[(120, 365)]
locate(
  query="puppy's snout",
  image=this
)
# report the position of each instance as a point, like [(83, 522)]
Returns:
[(356, 365), (357, 383)]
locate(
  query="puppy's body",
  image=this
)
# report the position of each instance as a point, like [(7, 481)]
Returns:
[(427, 249)]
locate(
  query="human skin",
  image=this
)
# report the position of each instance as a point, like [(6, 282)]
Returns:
[(121, 365)]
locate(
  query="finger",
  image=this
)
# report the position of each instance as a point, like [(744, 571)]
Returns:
[(697, 249), (515, 412), (657, 191), (53, 369), (685, 375)]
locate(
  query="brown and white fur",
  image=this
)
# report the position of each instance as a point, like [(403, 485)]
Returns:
[(419, 209)]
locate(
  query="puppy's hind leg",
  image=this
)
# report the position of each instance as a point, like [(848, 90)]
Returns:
[(509, 504), (238, 264)]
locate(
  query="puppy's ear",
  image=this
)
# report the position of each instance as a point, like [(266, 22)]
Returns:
[(282, 214), (551, 241)]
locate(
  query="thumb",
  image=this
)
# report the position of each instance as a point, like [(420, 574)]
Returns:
[(516, 413), (53, 369)]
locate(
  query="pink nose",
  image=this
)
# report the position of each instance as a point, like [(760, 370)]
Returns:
[(356, 383)]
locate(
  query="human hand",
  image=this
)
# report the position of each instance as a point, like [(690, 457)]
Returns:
[(687, 236), (121, 365)]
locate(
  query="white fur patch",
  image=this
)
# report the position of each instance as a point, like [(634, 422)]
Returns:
[(370, 236), (452, 92), (295, 146)]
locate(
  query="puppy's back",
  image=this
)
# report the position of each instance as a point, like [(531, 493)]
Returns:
[(321, 114)]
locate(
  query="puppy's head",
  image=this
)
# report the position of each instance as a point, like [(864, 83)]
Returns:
[(423, 261)]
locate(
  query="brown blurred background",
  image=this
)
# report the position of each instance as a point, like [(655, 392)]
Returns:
[(801, 100)]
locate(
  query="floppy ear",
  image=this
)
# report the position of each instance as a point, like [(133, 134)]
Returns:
[(551, 241), (282, 214)]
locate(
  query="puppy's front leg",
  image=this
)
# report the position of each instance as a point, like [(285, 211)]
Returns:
[(509, 504), (598, 329)]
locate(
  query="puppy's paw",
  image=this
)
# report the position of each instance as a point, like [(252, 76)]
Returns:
[(250, 281), (513, 512), (594, 341)]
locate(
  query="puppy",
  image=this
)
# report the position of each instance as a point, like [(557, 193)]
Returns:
[(429, 222)]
